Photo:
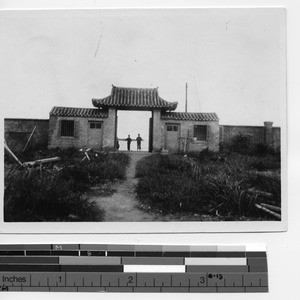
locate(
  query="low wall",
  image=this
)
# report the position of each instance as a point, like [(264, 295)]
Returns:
[(17, 132), (259, 134)]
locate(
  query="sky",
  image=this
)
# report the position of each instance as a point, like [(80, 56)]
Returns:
[(232, 59)]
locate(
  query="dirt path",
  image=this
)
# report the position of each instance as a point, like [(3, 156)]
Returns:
[(122, 205)]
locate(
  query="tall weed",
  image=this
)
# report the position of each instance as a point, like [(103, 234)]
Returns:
[(56, 193)]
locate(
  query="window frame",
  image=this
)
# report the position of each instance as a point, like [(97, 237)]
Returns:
[(96, 124), (67, 131), (172, 127), (202, 129)]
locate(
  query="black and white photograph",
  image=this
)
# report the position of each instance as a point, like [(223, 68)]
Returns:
[(144, 116)]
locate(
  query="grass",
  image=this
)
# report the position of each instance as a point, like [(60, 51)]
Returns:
[(166, 184), (57, 193), (220, 185)]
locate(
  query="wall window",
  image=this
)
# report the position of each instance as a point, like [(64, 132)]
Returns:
[(200, 132), (95, 125), (172, 127), (67, 128)]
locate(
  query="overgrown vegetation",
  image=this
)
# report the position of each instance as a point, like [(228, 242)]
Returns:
[(209, 183), (57, 192)]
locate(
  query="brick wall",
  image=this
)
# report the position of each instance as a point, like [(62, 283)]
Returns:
[(258, 134), (227, 133), (81, 135), (17, 132)]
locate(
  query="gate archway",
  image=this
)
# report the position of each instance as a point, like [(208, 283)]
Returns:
[(134, 99)]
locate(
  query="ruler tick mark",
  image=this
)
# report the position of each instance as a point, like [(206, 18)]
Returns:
[(190, 282)]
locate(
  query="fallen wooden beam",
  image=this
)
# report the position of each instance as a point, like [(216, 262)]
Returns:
[(29, 138), (277, 216), (272, 207), (41, 161), (260, 193), (12, 154)]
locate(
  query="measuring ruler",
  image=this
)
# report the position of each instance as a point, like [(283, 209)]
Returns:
[(132, 268)]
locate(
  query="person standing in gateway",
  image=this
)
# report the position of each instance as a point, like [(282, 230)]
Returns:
[(139, 142), (129, 140)]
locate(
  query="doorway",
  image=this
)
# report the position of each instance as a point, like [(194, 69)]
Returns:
[(172, 134), (95, 133), (133, 123)]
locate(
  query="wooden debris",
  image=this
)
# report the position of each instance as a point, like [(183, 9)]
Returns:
[(12, 154), (277, 216), (260, 193), (271, 207), (41, 161), (29, 138)]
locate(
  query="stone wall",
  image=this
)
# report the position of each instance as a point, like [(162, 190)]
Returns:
[(266, 134), (17, 132), (109, 129), (157, 131), (276, 139), (186, 129)]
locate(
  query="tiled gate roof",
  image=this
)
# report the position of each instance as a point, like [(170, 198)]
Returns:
[(134, 99), (78, 112)]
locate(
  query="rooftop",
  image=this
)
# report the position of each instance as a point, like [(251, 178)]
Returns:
[(134, 99), (190, 116), (78, 112)]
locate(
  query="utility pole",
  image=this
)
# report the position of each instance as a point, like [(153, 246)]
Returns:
[(186, 88)]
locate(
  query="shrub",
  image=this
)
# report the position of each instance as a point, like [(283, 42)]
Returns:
[(168, 183), (265, 183), (170, 192), (56, 194), (263, 149), (268, 162), (228, 197), (241, 143), (32, 198), (162, 164)]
